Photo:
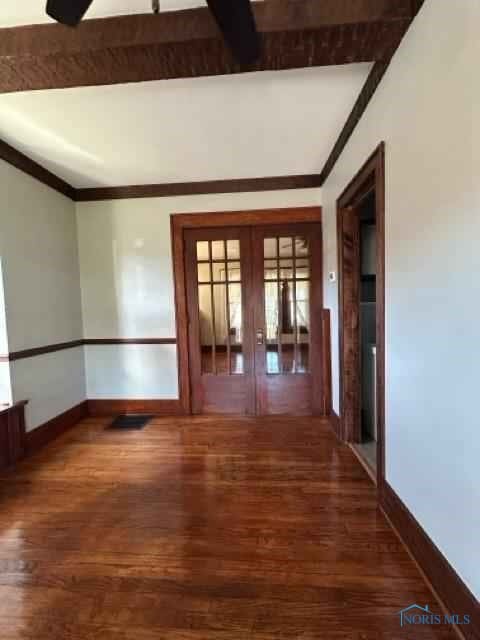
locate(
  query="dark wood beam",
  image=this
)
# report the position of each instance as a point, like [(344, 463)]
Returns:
[(236, 185), (361, 103), (44, 46), (374, 78), (27, 165), (179, 44)]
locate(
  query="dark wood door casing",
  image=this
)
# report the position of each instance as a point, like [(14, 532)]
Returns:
[(370, 178), (179, 224), (289, 392), (349, 275)]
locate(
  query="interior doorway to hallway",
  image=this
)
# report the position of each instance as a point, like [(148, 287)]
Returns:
[(361, 267)]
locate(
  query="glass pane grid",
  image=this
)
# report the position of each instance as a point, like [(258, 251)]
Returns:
[(220, 307), (213, 261), (287, 304)]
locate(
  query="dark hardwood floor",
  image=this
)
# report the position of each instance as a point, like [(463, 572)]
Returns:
[(201, 529)]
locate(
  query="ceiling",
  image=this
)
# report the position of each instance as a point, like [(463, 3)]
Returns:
[(14, 12), (233, 126)]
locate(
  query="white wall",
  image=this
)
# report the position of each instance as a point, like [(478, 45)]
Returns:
[(426, 109), (38, 249), (127, 285)]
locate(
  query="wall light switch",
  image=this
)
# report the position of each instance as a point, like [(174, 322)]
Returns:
[(332, 276)]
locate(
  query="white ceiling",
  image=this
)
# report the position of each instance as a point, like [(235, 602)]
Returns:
[(17, 12), (236, 126), (240, 126)]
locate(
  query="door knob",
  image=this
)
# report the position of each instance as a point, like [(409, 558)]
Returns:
[(259, 336)]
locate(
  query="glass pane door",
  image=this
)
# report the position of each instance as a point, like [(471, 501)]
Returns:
[(287, 304), (288, 310), (218, 263), (220, 306), (254, 319)]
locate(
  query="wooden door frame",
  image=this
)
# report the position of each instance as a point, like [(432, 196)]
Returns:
[(179, 222), (370, 177)]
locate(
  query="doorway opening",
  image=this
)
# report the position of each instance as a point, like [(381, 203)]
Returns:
[(367, 446), (250, 286), (361, 256)]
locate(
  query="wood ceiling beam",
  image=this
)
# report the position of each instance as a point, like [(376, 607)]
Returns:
[(180, 44), (22, 162)]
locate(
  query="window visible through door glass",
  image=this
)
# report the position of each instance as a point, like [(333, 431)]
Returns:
[(220, 306), (287, 304)]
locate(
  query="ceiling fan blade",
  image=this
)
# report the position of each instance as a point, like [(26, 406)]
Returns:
[(69, 12), (237, 24)]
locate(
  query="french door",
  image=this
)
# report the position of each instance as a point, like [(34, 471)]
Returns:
[(254, 305)]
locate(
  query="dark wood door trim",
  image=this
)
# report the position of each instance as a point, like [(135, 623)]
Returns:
[(370, 176), (179, 222), (247, 218), (327, 362)]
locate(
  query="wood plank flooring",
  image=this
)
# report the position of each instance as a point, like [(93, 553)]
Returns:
[(201, 529)]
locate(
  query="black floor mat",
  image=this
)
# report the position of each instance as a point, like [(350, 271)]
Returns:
[(130, 422)]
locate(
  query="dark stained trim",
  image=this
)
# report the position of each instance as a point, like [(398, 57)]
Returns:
[(246, 218), (374, 78), (237, 185), (187, 43), (347, 31), (366, 94), (99, 408), (180, 222), (12, 434), (336, 424), (181, 312), (445, 581), (416, 6), (40, 351), (22, 162), (51, 348), (106, 341), (7, 408), (327, 361), (371, 174), (42, 435)]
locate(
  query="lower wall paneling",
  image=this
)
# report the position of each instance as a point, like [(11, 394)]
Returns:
[(115, 407), (451, 590), (12, 434), (47, 432), (52, 383), (119, 371)]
